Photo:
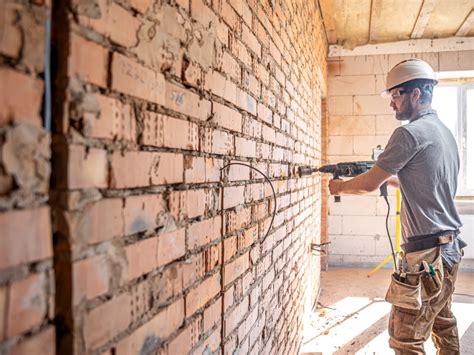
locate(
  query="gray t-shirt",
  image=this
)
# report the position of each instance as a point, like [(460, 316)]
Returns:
[(424, 156)]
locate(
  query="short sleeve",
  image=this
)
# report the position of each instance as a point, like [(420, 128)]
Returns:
[(400, 149)]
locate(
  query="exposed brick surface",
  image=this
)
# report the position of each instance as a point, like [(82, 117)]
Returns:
[(159, 249)]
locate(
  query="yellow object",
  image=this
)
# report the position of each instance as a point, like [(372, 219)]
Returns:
[(398, 237)]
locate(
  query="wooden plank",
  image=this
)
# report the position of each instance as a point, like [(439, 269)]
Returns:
[(466, 25), (411, 46), (375, 21), (328, 19), (423, 18)]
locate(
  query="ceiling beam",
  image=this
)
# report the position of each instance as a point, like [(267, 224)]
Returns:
[(423, 18), (328, 19), (466, 25), (375, 20), (409, 46)]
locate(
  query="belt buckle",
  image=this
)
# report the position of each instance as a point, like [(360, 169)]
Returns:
[(445, 239)]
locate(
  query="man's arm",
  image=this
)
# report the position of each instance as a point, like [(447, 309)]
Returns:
[(361, 184), (393, 182)]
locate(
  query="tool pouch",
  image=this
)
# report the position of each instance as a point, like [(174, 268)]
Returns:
[(402, 294), (417, 287)]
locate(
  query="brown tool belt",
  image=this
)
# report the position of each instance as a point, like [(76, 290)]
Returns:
[(423, 242)]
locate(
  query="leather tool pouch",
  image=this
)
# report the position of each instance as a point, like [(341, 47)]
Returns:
[(414, 288)]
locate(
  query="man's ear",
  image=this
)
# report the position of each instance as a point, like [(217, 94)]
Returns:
[(416, 94)]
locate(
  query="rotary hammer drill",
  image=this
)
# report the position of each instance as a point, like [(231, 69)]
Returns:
[(348, 169)]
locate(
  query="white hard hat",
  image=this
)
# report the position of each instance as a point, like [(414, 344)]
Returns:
[(407, 70)]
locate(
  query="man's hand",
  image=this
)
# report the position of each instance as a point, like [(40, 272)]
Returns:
[(335, 186)]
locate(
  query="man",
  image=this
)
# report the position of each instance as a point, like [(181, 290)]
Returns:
[(424, 157)]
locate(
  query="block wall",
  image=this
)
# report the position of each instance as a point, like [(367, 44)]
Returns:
[(359, 120), (158, 250), (26, 252)]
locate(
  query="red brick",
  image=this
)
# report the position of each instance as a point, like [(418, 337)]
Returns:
[(171, 246), (202, 294), (217, 142), (251, 41), (230, 247), (26, 236), (236, 316), (139, 169), (158, 328), (141, 212), (230, 67), (268, 134), (212, 257), (228, 298), (141, 257), (11, 42), (233, 196), (249, 237), (205, 232), (117, 313), (164, 131), (141, 5), (187, 102), (122, 26), (245, 147), (241, 52), (196, 202), (264, 113), (43, 343), (246, 102), (252, 127), (238, 219), (3, 311), (226, 117), (185, 340), (22, 104), (220, 86), (133, 79), (244, 11), (90, 278), (88, 61), (211, 344), (86, 167), (113, 121), (203, 14), (251, 83), (27, 304), (228, 14), (99, 221), (212, 315), (236, 268)]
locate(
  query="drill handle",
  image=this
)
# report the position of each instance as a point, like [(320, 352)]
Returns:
[(336, 177)]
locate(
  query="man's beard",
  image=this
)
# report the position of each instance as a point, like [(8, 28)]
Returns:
[(406, 112)]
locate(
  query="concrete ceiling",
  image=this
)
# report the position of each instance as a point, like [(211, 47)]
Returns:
[(352, 23)]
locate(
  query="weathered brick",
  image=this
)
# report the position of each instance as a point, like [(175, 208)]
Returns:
[(236, 268), (113, 120), (226, 117), (212, 315), (212, 343), (187, 102), (230, 247), (86, 167), (88, 61), (251, 41), (165, 131), (233, 196), (236, 316), (205, 232), (245, 147), (133, 79), (138, 169), (26, 236), (116, 311), (217, 142), (141, 212), (23, 103), (90, 278), (42, 343), (27, 304), (150, 334), (202, 294), (98, 221)]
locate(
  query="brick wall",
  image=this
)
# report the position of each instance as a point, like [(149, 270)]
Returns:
[(360, 119), (26, 265), (156, 249)]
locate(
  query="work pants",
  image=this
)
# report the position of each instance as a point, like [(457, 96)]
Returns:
[(410, 328)]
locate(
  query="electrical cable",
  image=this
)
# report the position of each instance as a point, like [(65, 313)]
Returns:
[(388, 233), (271, 185)]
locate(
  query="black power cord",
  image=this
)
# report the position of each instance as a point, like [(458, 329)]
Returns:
[(388, 232), (271, 185)]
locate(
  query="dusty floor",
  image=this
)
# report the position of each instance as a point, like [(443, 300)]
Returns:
[(352, 316)]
